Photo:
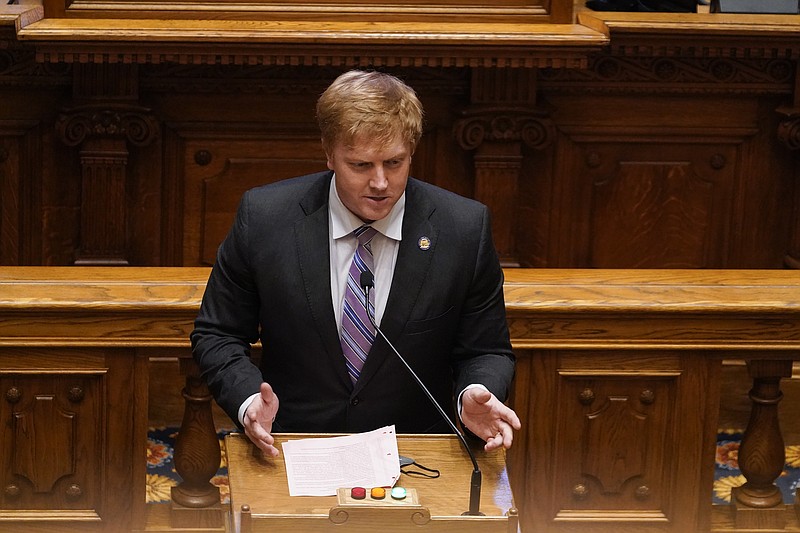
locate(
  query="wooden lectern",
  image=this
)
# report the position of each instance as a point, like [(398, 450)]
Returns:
[(260, 500)]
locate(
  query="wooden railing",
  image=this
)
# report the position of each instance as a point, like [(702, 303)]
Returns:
[(618, 387)]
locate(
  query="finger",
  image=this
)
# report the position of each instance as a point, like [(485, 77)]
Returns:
[(507, 435), (504, 437), (263, 440), (493, 442), (270, 403), (269, 449), (511, 418), (255, 430), (267, 394), (268, 397)]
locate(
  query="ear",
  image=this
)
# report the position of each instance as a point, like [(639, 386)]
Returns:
[(328, 157)]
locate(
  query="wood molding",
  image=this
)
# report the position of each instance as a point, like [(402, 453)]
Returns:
[(697, 34), (606, 73), (344, 44)]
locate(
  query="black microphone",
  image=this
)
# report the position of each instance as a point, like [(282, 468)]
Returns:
[(367, 282)]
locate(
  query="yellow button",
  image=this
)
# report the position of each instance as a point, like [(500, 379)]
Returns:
[(377, 493)]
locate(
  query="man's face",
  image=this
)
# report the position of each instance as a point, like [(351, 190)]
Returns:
[(370, 178)]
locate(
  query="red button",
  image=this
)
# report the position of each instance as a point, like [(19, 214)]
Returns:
[(358, 493)]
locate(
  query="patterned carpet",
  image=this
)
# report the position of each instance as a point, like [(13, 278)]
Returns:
[(727, 474), (161, 473)]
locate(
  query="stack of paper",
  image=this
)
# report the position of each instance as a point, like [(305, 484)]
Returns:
[(319, 466)]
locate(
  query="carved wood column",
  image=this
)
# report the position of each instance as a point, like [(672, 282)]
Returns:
[(758, 504), (103, 124), (789, 136), (501, 118)]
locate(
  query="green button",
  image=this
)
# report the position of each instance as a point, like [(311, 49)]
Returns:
[(398, 493)]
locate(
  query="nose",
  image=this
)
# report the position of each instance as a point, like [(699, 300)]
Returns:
[(379, 180)]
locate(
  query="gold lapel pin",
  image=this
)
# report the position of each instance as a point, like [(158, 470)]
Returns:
[(424, 243)]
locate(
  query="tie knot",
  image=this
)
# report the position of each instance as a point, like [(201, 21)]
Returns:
[(364, 234)]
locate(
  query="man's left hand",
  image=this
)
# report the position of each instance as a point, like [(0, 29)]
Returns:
[(488, 418)]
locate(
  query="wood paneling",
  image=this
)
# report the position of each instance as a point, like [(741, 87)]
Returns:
[(219, 172), (74, 376), (617, 140), (649, 204), (624, 141), (617, 387)]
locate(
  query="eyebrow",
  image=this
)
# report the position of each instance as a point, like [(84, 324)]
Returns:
[(356, 159)]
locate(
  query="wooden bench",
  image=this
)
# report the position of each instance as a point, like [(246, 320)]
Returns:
[(618, 387)]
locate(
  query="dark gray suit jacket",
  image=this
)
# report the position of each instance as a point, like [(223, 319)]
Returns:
[(271, 281)]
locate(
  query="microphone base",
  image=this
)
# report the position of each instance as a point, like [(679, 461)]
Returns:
[(467, 513)]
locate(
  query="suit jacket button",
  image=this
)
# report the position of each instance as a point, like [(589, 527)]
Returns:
[(354, 401)]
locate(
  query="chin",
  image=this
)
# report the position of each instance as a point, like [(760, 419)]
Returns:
[(372, 215)]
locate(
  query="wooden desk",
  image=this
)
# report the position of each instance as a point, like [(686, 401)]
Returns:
[(618, 389), (74, 350), (646, 344), (258, 484)]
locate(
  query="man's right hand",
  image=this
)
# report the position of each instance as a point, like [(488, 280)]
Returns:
[(258, 419)]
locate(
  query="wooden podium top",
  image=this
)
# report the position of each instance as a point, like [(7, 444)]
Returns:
[(259, 483)]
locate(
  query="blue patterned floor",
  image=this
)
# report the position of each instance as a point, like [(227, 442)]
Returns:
[(727, 474), (161, 473)]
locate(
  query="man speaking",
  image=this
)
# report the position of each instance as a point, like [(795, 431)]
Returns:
[(288, 273)]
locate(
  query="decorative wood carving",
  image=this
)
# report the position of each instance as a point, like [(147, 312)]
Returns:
[(789, 135), (311, 44), (628, 418), (103, 132), (627, 77), (675, 75), (129, 123), (619, 426), (51, 455), (43, 429), (505, 124), (789, 132), (501, 119)]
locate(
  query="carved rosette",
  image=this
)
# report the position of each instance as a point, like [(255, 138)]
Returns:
[(132, 123), (789, 132), (504, 125)]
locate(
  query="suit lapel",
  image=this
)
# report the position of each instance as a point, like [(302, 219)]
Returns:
[(311, 236), (413, 264)]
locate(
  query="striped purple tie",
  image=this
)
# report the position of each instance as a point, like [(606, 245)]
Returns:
[(358, 334)]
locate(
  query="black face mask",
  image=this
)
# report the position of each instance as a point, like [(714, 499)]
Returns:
[(669, 6)]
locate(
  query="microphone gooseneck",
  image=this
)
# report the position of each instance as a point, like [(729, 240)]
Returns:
[(367, 282)]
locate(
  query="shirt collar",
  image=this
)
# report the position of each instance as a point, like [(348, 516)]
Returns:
[(343, 222)]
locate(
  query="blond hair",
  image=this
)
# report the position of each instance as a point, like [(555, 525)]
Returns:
[(369, 104)]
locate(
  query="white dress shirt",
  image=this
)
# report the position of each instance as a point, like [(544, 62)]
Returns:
[(385, 244)]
